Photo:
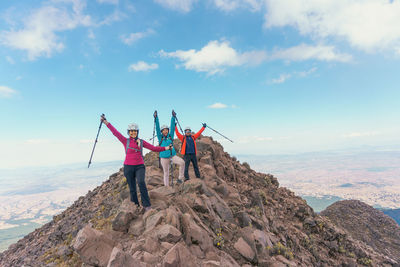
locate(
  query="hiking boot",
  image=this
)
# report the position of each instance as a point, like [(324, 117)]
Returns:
[(146, 209), (179, 181)]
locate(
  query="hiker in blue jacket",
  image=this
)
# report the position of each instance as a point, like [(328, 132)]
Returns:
[(165, 138)]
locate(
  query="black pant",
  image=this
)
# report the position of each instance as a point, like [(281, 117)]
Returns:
[(191, 158), (132, 172)]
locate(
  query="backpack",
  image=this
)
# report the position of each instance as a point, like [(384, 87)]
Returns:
[(141, 147)]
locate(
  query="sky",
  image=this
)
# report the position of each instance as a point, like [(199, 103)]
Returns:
[(276, 76)]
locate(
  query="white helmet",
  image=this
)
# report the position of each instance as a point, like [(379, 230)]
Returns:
[(133, 126), (164, 127), (188, 129)]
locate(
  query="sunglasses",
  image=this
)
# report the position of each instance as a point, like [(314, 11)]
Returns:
[(132, 131)]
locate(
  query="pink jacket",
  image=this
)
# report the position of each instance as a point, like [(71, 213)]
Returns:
[(133, 157)]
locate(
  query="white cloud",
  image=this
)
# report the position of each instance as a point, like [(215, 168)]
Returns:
[(360, 134), (307, 52), (306, 72), (218, 105), (38, 36), (10, 60), (91, 34), (179, 5), (215, 57), (143, 66), (254, 139), (113, 2), (281, 79), (136, 36), (229, 5), (365, 24), (6, 92)]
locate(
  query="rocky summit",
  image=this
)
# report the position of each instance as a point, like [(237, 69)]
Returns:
[(234, 216), (367, 224)]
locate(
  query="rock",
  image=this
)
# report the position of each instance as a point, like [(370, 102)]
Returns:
[(149, 258), (243, 218), (244, 249), (194, 234), (136, 227), (93, 247), (122, 221), (119, 258), (151, 245), (168, 233), (180, 256), (172, 218), (154, 220), (222, 209)]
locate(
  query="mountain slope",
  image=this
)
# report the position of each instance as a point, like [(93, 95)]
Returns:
[(367, 224), (234, 217)]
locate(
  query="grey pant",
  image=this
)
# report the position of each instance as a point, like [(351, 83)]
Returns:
[(165, 163)]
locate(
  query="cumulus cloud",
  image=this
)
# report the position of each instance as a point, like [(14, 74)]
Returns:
[(286, 76), (218, 105), (38, 36), (368, 25), (306, 52), (113, 2), (229, 5), (215, 57), (6, 92), (281, 79), (143, 66), (136, 36), (179, 5)]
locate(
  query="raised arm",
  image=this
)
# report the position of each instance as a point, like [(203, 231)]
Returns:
[(178, 134), (115, 132), (172, 127), (154, 148), (158, 130), (199, 132)]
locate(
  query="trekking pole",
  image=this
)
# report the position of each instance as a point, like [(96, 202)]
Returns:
[(172, 168), (179, 124), (95, 142), (219, 133)]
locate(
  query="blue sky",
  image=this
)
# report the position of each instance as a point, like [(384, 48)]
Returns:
[(276, 76)]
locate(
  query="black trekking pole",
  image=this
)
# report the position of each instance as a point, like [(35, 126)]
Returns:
[(178, 124), (95, 142), (219, 133), (172, 167)]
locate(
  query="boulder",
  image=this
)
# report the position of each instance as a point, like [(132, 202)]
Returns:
[(93, 247), (244, 249), (180, 256), (168, 233), (119, 258), (122, 221), (154, 220), (194, 234)]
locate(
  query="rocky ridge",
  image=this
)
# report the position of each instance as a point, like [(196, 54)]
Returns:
[(233, 217), (365, 223)]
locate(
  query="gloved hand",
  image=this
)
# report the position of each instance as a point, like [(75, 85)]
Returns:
[(155, 114), (204, 125), (103, 118), (173, 114)]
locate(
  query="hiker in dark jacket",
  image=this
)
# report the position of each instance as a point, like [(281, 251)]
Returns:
[(189, 149), (134, 168), (166, 138)]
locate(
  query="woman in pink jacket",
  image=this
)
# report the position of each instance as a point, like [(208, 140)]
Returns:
[(134, 165)]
